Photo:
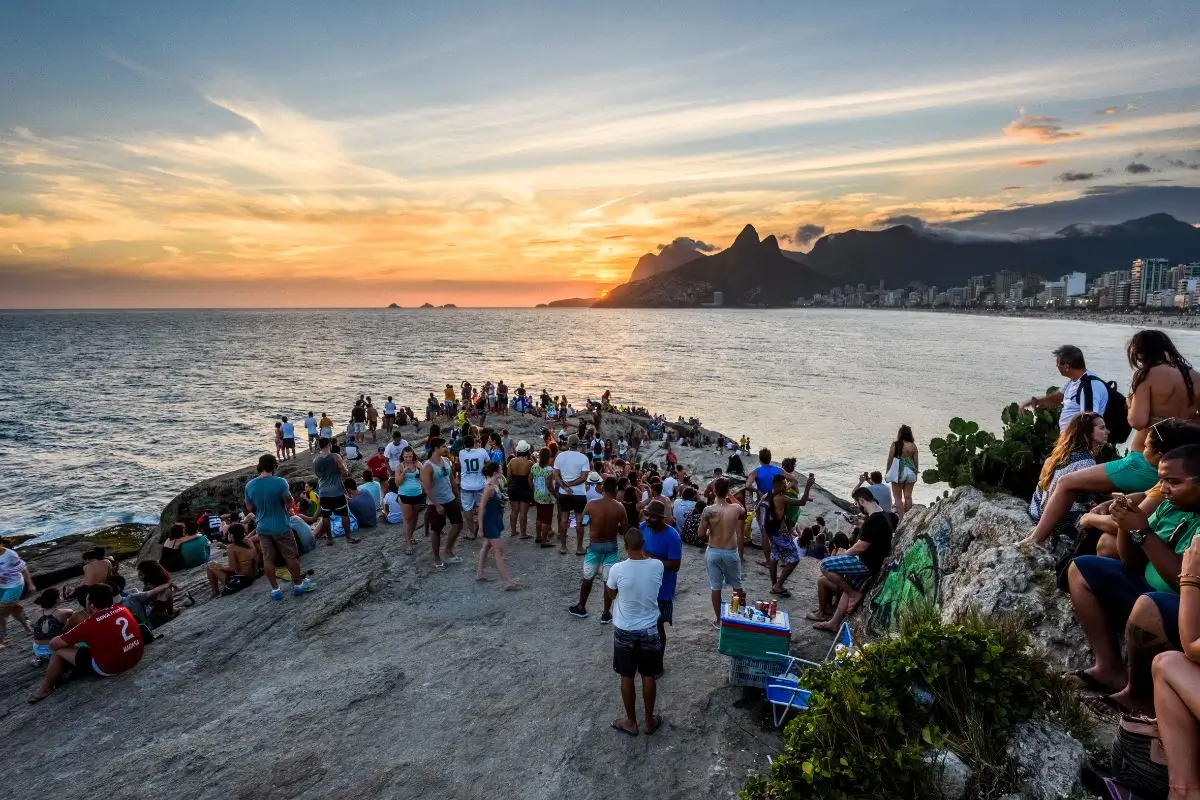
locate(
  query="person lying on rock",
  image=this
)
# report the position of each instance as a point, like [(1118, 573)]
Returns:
[(107, 643), (1140, 590), (847, 573), (242, 567)]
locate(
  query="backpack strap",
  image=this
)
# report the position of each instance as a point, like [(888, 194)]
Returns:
[(1086, 391)]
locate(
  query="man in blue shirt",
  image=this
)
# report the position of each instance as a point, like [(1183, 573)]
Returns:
[(663, 543), (310, 424), (268, 496), (288, 430)]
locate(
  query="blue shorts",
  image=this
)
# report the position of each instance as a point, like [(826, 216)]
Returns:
[(13, 594), (849, 567), (1117, 588)]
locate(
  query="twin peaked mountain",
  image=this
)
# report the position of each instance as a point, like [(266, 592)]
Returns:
[(757, 273)]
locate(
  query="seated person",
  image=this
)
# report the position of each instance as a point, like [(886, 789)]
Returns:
[(684, 505), (818, 549), (1140, 590), (184, 547), (1177, 686), (306, 540), (108, 642), (841, 543), (847, 573), (50, 622), (369, 486), (362, 505), (1075, 450), (160, 606), (243, 565)]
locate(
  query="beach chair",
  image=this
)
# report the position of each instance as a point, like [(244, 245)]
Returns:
[(784, 696), (842, 645)]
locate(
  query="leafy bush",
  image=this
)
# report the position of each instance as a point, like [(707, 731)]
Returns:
[(870, 722), (969, 456)]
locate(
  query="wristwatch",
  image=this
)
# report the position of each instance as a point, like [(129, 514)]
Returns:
[(1138, 536)]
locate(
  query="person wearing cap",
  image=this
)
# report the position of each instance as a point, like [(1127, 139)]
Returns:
[(520, 490), (571, 468), (662, 542)]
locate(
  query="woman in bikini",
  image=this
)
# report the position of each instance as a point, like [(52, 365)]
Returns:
[(1163, 388), (901, 470)]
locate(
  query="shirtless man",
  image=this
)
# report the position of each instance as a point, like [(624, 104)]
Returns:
[(243, 562), (607, 520), (722, 524)]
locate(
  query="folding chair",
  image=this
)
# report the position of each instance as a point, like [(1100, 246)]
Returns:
[(843, 643), (783, 697)]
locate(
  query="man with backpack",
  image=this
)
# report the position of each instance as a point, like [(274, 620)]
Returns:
[(1084, 391)]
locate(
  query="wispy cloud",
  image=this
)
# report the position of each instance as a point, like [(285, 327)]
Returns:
[(1073, 177), (1035, 162), (1038, 129)]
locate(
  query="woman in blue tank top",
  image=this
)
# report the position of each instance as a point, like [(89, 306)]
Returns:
[(491, 526)]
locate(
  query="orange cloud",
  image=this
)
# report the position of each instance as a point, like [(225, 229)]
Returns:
[(1038, 129), (1036, 162)]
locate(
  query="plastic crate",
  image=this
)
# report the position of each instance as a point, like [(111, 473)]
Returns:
[(752, 672)]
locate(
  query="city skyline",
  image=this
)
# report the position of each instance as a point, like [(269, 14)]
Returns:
[(278, 154)]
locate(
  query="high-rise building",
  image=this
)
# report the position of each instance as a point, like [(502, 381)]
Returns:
[(1004, 279), (1123, 296), (1148, 276), (1074, 284)]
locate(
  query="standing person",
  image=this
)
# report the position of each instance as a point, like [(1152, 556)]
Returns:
[(310, 425), (542, 476), (438, 483), (324, 428), (607, 520), (394, 449), (721, 526), (1071, 365), (663, 543), (633, 588), (1163, 388), (107, 643), (783, 545), (874, 481), (358, 419), (471, 461), (762, 478), (14, 580), (268, 496), (389, 415), (288, 430), (902, 469), (279, 440), (491, 527), (520, 489), (622, 448), (502, 397), (448, 400), (410, 492), (373, 421), (331, 471), (571, 468)]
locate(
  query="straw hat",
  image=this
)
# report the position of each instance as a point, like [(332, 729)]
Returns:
[(523, 446)]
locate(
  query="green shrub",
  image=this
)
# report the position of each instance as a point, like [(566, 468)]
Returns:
[(867, 730), (970, 456)]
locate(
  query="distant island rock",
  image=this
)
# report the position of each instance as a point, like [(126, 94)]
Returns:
[(570, 302), (428, 305), (449, 305), (749, 273), (393, 305)]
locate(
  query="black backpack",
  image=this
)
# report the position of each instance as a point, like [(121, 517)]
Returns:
[(1116, 411)]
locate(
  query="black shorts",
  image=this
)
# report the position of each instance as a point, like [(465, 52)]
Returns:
[(312, 437), (451, 511), (334, 505), (388, 417), (571, 502), (84, 666), (289, 443), (413, 500), (637, 652), (666, 611)]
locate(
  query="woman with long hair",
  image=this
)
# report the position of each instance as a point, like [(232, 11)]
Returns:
[(1163, 388), (542, 477), (520, 490), (491, 527), (410, 492), (902, 469), (1076, 449)]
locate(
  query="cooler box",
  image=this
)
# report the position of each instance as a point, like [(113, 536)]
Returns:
[(743, 638)]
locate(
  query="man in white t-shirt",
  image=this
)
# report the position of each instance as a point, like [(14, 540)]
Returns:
[(310, 424), (669, 485), (471, 460), (1073, 394), (633, 586), (394, 452), (571, 468)]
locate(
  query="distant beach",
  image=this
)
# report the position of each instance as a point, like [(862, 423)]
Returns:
[(1132, 318)]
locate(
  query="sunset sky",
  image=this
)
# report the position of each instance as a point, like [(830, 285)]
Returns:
[(305, 154)]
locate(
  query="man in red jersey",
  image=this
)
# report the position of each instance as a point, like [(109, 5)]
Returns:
[(107, 643)]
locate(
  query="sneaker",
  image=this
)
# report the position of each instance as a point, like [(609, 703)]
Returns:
[(304, 587), (578, 611), (605, 618), (276, 594), (452, 560)]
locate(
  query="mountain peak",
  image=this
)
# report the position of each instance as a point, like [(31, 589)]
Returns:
[(747, 238), (770, 244)]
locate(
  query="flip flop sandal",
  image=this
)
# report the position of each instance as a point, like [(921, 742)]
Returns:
[(1104, 705), (620, 728), (1085, 681), (658, 723)]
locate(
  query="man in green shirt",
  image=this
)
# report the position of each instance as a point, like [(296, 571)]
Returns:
[(1140, 590)]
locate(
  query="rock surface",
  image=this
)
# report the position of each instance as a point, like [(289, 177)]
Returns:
[(1047, 760), (394, 679), (962, 553), (58, 560), (954, 776)]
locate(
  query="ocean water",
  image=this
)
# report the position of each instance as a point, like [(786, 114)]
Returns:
[(105, 416)]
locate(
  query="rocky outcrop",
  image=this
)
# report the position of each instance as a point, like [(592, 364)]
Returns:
[(962, 553), (58, 560), (1047, 760)]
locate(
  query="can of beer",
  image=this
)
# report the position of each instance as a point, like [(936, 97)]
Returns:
[(733, 603), (773, 610)]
